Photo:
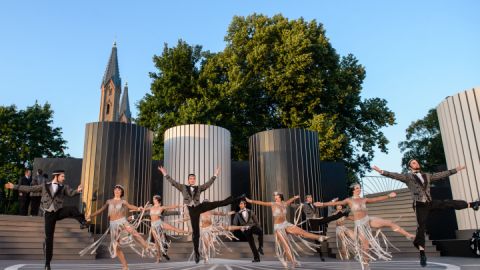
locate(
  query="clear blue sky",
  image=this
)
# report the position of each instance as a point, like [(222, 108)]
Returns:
[(415, 52)]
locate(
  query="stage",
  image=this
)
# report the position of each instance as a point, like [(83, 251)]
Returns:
[(447, 263)]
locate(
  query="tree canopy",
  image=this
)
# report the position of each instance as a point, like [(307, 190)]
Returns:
[(273, 73), (424, 143), (25, 135)]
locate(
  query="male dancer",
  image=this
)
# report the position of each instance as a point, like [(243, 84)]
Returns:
[(53, 194), (191, 197), (246, 217), (418, 183), (315, 219)]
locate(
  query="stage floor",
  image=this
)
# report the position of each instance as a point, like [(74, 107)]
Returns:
[(447, 263)]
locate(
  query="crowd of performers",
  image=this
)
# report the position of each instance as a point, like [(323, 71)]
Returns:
[(364, 242)]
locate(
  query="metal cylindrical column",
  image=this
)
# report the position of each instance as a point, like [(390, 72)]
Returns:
[(287, 161), (197, 149), (459, 118), (115, 153)]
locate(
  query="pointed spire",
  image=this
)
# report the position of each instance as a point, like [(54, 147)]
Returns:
[(112, 71), (125, 115)]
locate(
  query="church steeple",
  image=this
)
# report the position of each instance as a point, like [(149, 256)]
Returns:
[(111, 89), (125, 115)]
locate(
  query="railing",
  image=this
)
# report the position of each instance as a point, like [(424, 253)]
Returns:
[(377, 184)]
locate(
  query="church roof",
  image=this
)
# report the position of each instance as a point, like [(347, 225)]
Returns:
[(112, 71)]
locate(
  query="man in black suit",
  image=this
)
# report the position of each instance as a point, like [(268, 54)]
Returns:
[(418, 183), (191, 198), (24, 197), (315, 222), (246, 217), (53, 195)]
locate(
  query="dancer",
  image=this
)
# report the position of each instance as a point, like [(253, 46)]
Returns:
[(191, 198), (246, 217), (418, 183), (315, 221), (211, 233), (53, 194), (345, 236), (367, 246), (158, 227), (287, 234), (122, 233)]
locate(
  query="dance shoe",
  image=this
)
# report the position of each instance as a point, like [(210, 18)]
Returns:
[(260, 250), (423, 259)]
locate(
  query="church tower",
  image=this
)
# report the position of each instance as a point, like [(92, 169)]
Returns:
[(111, 90), (124, 113)]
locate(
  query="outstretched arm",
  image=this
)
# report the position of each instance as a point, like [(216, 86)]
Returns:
[(258, 202), (396, 176), (169, 207), (132, 207), (174, 183), (24, 189), (98, 211), (382, 198), (71, 192), (291, 200), (331, 203), (220, 213), (441, 175), (210, 182)]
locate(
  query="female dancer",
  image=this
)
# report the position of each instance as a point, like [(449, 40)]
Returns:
[(285, 245), (344, 236), (365, 241), (211, 232), (158, 226), (122, 233)]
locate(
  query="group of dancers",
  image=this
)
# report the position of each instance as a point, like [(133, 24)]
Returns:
[(361, 243)]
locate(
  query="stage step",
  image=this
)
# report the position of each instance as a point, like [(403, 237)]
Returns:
[(22, 237)]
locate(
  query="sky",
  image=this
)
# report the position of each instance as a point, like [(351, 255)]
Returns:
[(415, 53)]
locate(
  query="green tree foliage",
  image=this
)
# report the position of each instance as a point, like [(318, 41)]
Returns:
[(25, 135), (273, 73), (424, 143)]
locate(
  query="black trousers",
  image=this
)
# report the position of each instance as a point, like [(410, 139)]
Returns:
[(251, 241), (422, 210), (318, 224), (34, 205), (23, 204), (195, 211), (315, 223), (51, 219)]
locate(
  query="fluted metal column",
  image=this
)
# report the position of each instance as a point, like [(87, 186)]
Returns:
[(287, 161), (197, 149), (115, 153), (459, 118)]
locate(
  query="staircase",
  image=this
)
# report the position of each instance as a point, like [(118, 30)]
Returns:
[(401, 212), (22, 237)]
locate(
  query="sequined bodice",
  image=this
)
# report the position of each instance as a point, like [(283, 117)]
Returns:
[(358, 205), (155, 212), (116, 207), (279, 210)]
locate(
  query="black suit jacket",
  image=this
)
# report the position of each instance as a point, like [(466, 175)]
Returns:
[(252, 219)]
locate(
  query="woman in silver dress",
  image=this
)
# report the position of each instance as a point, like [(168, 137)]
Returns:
[(287, 235)]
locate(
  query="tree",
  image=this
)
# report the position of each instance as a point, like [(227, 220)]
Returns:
[(424, 143), (25, 135), (273, 73)]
